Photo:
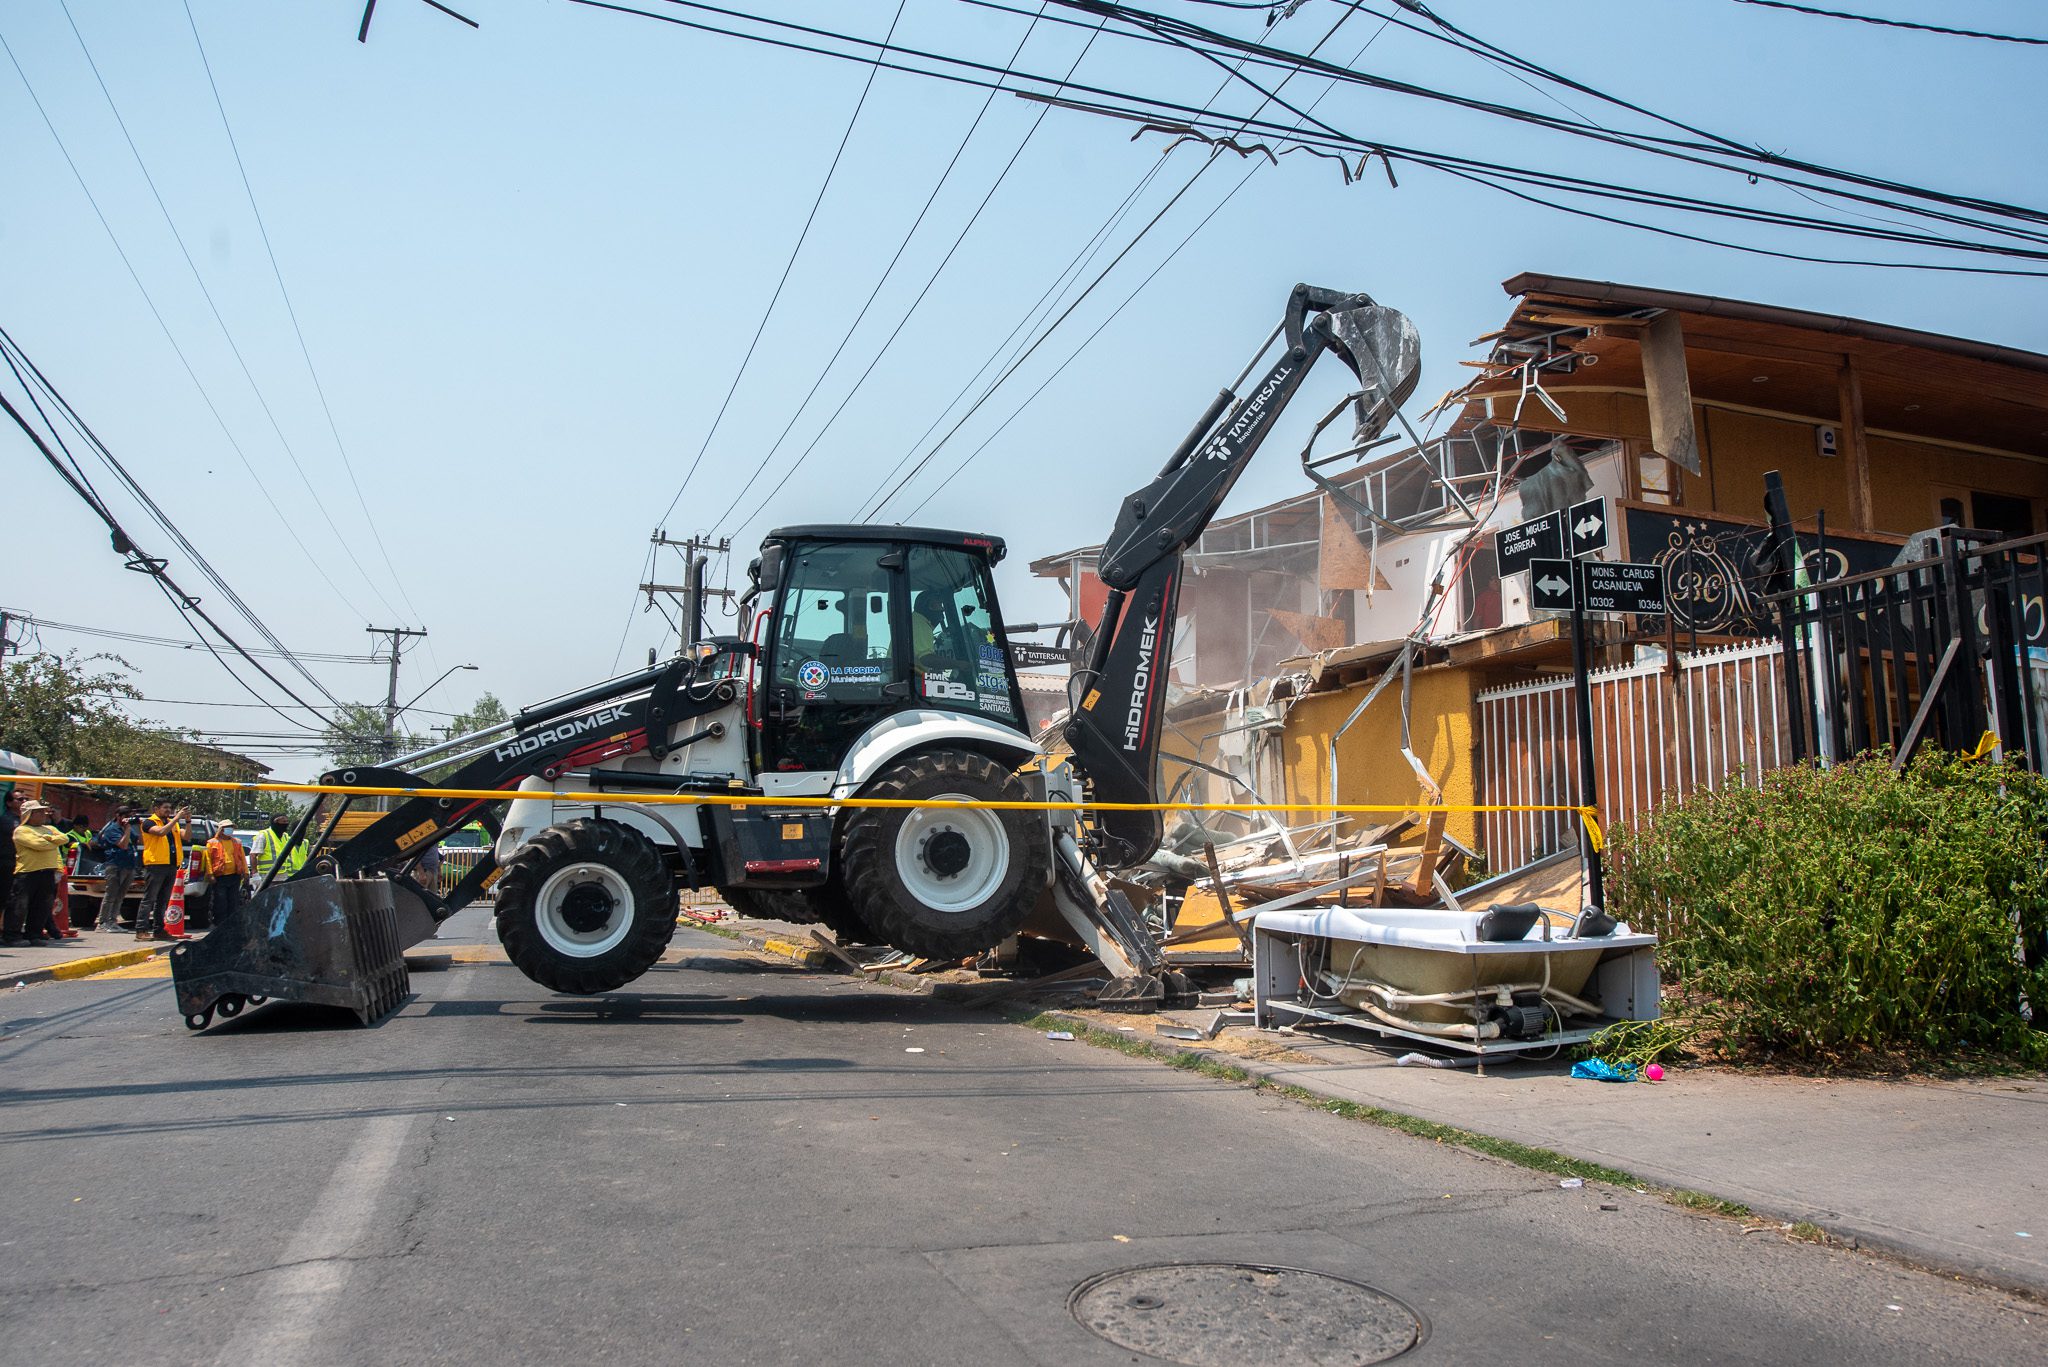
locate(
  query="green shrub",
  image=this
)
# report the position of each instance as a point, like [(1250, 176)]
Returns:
[(1845, 910)]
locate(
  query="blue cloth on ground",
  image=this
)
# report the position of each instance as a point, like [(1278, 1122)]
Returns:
[(1600, 1070)]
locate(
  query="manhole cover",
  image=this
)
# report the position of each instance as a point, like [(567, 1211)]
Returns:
[(1229, 1314)]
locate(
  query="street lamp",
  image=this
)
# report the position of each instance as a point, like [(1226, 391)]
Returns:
[(452, 669)]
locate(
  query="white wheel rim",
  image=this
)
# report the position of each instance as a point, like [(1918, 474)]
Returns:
[(574, 889), (988, 855)]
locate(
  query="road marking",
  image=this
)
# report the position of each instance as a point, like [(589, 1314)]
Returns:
[(282, 1326)]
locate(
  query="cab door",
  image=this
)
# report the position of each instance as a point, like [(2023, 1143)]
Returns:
[(836, 664)]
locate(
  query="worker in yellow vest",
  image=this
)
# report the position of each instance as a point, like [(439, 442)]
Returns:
[(163, 854), (276, 836)]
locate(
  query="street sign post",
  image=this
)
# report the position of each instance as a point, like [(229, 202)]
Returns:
[(1514, 547), (1587, 524), (1580, 585)]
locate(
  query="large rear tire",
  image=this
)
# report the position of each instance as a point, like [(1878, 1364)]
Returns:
[(586, 907), (943, 882)]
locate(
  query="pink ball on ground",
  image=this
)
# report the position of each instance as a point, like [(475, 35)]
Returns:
[(1655, 1072)]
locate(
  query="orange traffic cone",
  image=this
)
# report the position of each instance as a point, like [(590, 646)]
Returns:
[(174, 913)]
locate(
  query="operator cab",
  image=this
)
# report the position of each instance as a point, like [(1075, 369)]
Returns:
[(862, 622)]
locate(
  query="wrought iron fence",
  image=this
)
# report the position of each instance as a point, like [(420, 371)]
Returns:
[(1949, 648)]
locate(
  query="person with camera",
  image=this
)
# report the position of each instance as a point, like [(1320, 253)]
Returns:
[(120, 854), (163, 854)]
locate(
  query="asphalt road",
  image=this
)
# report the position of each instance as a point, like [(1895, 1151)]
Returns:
[(746, 1163)]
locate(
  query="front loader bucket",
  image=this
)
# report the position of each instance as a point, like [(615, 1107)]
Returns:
[(332, 941)]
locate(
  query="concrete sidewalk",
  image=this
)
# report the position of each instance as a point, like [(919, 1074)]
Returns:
[(1948, 1174), (92, 952)]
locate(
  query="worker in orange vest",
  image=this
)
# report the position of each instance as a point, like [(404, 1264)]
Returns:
[(226, 863)]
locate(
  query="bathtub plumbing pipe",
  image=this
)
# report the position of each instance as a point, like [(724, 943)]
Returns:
[(1475, 1031)]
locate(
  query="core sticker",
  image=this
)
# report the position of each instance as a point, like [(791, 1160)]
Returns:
[(811, 675)]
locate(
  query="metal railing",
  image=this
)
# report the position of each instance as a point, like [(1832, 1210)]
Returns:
[(1660, 730)]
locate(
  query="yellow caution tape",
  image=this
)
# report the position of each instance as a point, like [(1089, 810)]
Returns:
[(1588, 815)]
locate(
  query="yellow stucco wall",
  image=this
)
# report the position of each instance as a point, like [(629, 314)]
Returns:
[(1369, 762)]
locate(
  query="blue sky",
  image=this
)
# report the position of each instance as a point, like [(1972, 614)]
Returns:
[(527, 260)]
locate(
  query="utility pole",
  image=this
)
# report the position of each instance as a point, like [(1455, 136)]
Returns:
[(692, 591), (8, 645), (398, 637)]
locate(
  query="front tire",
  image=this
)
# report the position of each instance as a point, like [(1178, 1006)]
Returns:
[(944, 882), (586, 907)]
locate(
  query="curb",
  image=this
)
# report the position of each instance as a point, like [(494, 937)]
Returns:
[(805, 956), (1846, 1232), (85, 968), (810, 956)]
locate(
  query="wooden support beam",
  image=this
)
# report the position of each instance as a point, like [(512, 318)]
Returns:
[(1669, 392), (1855, 447), (1432, 845)]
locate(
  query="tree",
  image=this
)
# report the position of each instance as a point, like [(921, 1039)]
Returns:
[(60, 710), (486, 711), (355, 735)]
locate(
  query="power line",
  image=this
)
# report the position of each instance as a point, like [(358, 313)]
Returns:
[(18, 362), (1896, 23), (874, 69), (1033, 316), (944, 177), (143, 638), (1753, 163), (187, 606), (291, 312), (1655, 145), (234, 347), (932, 279), (1068, 312), (191, 374), (1129, 298), (209, 702)]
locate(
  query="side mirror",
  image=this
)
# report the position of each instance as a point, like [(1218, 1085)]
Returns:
[(766, 571)]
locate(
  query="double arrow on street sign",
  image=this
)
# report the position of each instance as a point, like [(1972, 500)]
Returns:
[(1588, 522), (1606, 586)]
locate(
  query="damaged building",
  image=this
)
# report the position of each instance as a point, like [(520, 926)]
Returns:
[(1358, 644)]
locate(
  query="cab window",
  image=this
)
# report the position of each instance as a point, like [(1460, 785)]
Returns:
[(836, 644), (834, 669), (956, 646)]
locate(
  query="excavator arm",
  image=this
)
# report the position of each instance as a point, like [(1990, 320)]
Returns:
[(1119, 697)]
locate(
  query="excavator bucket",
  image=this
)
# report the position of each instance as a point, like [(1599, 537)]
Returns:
[(332, 941)]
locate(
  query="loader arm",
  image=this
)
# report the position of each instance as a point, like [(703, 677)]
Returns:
[(623, 716), (1118, 700)]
